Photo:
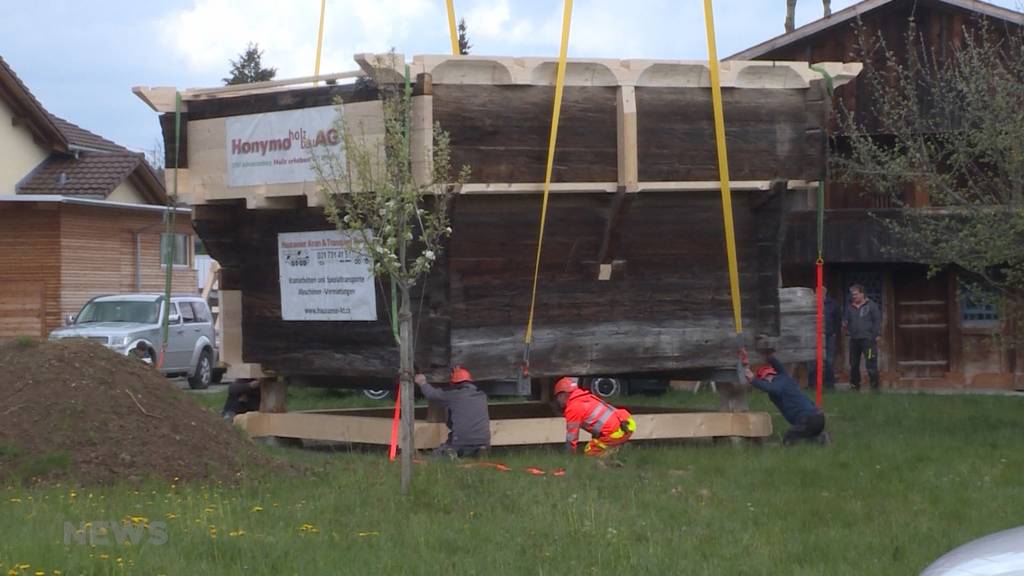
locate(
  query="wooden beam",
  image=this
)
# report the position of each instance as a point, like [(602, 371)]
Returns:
[(613, 187), (338, 427), (617, 210), (211, 277), (273, 395), (629, 163), (421, 133), (159, 98), (236, 89), (230, 321)]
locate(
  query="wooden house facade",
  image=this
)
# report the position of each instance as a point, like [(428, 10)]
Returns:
[(633, 277), (933, 335)]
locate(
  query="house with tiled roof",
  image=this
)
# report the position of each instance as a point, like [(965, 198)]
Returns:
[(80, 216)]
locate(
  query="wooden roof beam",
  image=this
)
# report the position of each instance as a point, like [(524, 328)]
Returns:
[(614, 187)]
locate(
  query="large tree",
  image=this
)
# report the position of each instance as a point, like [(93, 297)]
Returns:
[(249, 67), (952, 129), (401, 221)]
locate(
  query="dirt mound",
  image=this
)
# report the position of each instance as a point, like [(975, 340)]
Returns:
[(76, 411)]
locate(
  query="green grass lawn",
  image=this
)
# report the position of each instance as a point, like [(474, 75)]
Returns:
[(908, 478)]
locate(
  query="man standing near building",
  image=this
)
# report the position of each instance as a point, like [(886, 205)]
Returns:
[(863, 322), (833, 321)]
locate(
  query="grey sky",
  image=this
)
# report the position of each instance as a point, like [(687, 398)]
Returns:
[(81, 57)]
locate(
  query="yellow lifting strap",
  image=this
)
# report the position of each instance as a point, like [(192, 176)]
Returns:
[(723, 168), (319, 43), (451, 27), (555, 112)]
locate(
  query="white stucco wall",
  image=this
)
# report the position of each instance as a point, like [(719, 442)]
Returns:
[(20, 152), (128, 193)]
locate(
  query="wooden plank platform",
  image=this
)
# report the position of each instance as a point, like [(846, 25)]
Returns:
[(511, 425)]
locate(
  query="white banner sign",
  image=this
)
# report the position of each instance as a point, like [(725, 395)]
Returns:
[(275, 148), (324, 276)]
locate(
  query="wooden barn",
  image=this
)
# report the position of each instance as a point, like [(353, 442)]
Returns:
[(80, 216), (633, 277), (933, 336)]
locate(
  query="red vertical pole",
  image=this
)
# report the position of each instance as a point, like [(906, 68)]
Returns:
[(819, 297)]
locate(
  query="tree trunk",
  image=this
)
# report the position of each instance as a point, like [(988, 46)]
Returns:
[(790, 15), (408, 419)]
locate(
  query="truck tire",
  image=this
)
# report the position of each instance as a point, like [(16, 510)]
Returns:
[(203, 374)]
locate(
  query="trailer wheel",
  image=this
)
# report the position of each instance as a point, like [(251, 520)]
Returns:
[(606, 387)]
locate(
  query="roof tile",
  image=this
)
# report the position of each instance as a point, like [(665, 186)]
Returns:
[(89, 175)]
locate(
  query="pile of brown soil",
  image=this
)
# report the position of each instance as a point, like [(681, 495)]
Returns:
[(75, 411)]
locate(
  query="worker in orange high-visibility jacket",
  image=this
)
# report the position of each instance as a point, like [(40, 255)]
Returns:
[(608, 426)]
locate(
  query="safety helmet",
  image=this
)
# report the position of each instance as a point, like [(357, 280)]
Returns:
[(765, 370), (566, 384), (460, 374)]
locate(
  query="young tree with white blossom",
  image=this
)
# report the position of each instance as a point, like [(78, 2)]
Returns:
[(400, 221)]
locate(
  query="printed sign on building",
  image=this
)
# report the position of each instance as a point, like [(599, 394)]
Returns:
[(325, 276), (275, 148)]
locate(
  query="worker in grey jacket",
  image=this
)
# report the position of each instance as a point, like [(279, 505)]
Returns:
[(863, 322), (469, 425)]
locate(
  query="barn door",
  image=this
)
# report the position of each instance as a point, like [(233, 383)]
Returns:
[(922, 324), (21, 309)]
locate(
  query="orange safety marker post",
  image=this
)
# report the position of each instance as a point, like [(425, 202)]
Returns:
[(393, 447)]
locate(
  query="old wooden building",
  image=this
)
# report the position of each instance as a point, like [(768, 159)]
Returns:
[(933, 335), (633, 276), (80, 216)]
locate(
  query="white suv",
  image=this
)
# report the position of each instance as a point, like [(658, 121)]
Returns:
[(124, 322)]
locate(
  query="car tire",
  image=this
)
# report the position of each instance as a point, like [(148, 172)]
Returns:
[(379, 394), (203, 374), (605, 387)]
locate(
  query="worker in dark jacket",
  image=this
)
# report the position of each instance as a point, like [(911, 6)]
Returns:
[(863, 322), (807, 423), (469, 425), (243, 396), (832, 325)]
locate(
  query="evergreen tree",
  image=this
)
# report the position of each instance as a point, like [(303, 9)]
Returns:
[(249, 67), (464, 44)]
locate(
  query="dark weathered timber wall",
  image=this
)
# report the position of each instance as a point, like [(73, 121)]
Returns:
[(766, 132), (502, 132), (246, 240), (850, 236), (940, 28), (667, 306)]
